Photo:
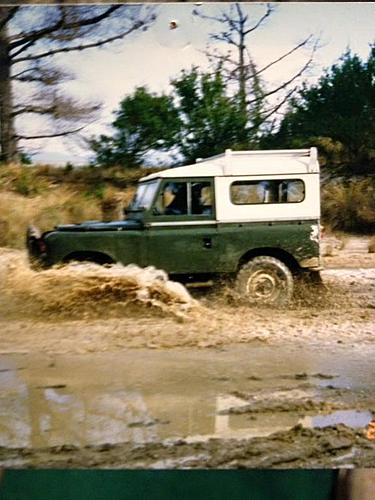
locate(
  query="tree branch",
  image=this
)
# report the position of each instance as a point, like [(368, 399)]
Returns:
[(11, 13), (280, 104), (23, 72), (47, 136), (235, 25), (294, 49), (25, 47), (261, 20), (78, 47), (35, 35), (224, 37), (275, 108), (40, 110), (285, 84)]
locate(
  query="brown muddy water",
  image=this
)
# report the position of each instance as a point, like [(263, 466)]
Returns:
[(120, 367), (142, 399)]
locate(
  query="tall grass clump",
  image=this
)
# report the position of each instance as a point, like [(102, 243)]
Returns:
[(113, 201), (58, 206), (22, 179), (350, 206), (46, 196)]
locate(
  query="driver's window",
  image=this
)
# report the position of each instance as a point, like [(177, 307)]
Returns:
[(172, 199)]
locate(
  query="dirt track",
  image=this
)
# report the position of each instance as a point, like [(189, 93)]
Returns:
[(87, 309), (48, 320)]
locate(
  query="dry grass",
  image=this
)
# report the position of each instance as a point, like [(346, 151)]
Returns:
[(371, 245), (57, 206), (92, 177), (23, 180), (113, 202), (46, 196), (350, 206)]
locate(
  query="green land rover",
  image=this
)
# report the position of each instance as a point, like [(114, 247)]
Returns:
[(248, 215)]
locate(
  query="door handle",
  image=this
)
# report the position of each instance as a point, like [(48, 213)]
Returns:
[(207, 242)]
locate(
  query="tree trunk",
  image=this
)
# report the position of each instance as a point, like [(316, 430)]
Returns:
[(242, 75), (8, 141)]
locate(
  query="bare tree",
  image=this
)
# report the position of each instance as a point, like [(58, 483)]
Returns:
[(239, 67), (31, 38)]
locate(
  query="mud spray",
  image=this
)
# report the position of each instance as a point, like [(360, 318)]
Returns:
[(87, 289), (90, 307)]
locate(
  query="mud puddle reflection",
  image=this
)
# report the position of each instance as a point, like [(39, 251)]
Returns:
[(151, 397), (352, 418)]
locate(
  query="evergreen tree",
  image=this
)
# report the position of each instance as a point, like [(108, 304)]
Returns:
[(337, 114), (144, 122), (211, 121), (198, 119)]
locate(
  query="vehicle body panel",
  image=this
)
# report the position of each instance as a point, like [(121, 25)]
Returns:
[(215, 241)]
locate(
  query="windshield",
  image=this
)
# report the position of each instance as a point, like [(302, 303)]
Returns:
[(144, 195)]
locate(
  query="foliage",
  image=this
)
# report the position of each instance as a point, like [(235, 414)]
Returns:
[(205, 113), (247, 80), (211, 121), (349, 206), (337, 115), (144, 122), (197, 119)]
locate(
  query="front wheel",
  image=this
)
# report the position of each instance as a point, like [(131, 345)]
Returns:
[(265, 280)]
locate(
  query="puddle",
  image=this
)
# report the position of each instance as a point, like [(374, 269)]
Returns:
[(352, 418), (149, 397), (233, 425)]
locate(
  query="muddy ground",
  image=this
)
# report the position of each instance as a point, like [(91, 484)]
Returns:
[(122, 368)]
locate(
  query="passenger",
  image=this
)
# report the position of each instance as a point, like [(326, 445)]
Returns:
[(206, 200), (178, 205)]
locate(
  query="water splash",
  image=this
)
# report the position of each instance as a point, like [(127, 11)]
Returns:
[(87, 288)]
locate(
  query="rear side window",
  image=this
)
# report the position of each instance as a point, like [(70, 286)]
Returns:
[(267, 191)]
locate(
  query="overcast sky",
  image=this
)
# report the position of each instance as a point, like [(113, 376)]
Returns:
[(154, 57)]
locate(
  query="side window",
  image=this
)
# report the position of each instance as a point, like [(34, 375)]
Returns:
[(185, 198), (201, 198), (267, 191), (172, 200)]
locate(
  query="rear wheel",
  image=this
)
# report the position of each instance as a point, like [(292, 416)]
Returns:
[(265, 280)]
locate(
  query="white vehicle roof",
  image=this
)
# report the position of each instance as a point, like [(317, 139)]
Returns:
[(240, 163)]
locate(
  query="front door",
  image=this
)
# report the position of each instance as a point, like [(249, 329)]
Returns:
[(182, 229)]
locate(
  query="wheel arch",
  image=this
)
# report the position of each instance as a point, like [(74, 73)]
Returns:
[(278, 253), (89, 256)]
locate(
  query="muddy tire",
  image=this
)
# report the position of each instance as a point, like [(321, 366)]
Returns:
[(313, 278), (265, 280)]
